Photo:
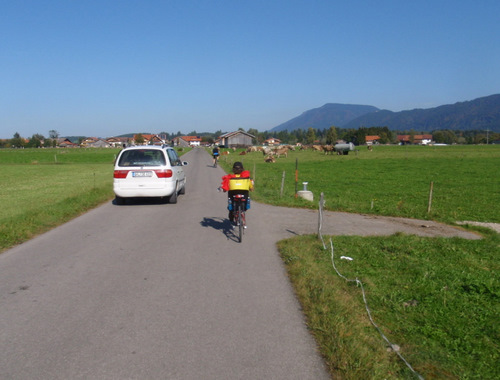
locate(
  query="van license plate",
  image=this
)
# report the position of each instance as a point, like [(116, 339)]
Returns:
[(142, 174)]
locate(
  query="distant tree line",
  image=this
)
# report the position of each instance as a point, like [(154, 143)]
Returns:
[(358, 136), (304, 136), (36, 141)]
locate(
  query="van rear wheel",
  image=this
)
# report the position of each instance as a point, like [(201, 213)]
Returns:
[(173, 198)]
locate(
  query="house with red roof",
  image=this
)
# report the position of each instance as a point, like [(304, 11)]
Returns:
[(417, 139), (370, 140), (187, 141)]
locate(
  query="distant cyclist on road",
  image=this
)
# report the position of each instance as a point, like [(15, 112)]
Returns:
[(237, 183), (215, 155)]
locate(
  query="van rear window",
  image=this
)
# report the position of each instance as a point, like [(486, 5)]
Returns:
[(142, 157)]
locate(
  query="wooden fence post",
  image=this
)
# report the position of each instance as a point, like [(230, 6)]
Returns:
[(282, 184), (430, 197)]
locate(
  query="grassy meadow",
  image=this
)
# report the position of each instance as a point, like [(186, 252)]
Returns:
[(436, 298), (389, 180), (42, 188)]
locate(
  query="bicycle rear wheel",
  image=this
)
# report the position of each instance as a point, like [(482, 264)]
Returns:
[(240, 222)]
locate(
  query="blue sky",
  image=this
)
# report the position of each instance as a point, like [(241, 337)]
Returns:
[(105, 68)]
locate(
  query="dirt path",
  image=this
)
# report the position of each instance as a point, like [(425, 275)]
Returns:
[(287, 222)]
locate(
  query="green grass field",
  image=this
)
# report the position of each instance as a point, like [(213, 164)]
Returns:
[(42, 188), (438, 299), (390, 180)]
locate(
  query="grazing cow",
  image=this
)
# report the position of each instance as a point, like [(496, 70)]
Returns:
[(319, 148), (243, 153), (269, 159), (329, 149), (225, 153), (281, 151)]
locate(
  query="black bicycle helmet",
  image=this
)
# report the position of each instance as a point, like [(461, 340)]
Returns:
[(237, 167)]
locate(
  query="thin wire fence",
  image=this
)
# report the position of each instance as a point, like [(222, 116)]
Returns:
[(393, 346)]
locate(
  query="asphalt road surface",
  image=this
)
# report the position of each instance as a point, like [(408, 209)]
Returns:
[(158, 291)]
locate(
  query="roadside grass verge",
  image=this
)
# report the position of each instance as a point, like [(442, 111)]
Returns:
[(436, 298), (40, 192)]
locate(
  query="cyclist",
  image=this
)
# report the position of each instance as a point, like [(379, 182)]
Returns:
[(215, 154), (237, 183)]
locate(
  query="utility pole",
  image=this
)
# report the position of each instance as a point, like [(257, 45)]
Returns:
[(487, 136)]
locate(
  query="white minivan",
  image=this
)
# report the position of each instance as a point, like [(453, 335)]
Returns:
[(148, 171)]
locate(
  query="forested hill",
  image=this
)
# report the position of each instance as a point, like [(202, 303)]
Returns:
[(479, 114), (326, 116)]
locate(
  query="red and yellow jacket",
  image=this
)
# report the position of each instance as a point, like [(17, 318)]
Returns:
[(237, 181)]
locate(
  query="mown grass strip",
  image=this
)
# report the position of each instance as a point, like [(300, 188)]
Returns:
[(43, 188), (437, 298), (30, 223)]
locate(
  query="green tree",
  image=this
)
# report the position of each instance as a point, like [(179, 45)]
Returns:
[(384, 138), (35, 141), (17, 141), (310, 136), (254, 132), (53, 134), (412, 136), (444, 137), (331, 135), (139, 139)]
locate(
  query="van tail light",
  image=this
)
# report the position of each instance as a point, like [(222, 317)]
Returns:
[(120, 173), (164, 173)]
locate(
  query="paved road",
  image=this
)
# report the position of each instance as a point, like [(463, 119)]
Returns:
[(153, 291), (159, 291)]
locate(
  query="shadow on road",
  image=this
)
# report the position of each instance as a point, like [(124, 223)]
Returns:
[(141, 201), (220, 224)]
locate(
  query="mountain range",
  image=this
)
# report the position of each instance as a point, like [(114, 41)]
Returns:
[(478, 114)]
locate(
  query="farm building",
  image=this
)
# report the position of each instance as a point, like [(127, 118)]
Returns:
[(94, 142), (187, 141), (272, 141), (149, 139), (370, 140), (417, 139), (236, 139), (66, 143), (119, 141)]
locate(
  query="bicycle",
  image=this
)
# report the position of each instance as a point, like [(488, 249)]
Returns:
[(239, 214), (216, 160)]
